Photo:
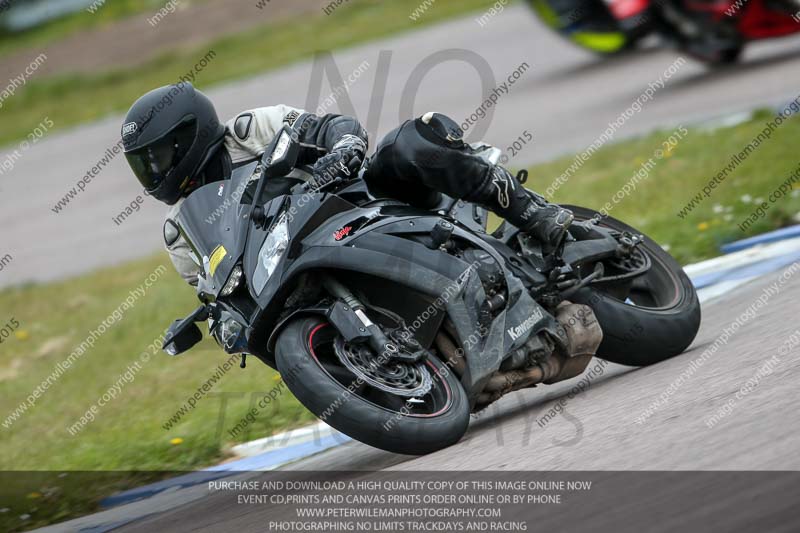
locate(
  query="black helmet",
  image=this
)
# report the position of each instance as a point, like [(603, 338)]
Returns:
[(168, 136)]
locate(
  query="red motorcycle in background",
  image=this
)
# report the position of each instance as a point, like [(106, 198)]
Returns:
[(715, 31)]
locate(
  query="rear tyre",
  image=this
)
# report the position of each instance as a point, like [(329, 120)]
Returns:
[(656, 320), (306, 358)]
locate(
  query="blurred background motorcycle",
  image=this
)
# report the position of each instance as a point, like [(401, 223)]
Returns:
[(713, 31)]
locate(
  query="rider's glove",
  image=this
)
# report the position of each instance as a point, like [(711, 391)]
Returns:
[(342, 162)]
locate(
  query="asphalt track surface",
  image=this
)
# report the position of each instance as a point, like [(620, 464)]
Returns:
[(565, 99), (601, 433)]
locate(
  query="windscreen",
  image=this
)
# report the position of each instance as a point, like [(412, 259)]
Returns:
[(211, 221)]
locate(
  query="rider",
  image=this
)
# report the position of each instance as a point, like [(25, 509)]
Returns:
[(175, 143)]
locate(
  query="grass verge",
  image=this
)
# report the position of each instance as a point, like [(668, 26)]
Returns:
[(128, 432), (69, 100), (654, 204)]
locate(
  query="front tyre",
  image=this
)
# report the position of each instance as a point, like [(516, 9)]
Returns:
[(306, 355)]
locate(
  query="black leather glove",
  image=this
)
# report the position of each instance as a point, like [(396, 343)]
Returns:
[(342, 162)]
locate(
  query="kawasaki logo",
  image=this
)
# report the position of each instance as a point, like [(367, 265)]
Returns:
[(518, 331)]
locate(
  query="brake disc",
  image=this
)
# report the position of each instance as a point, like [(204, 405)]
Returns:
[(395, 377)]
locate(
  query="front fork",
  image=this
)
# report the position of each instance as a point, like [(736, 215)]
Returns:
[(348, 315)]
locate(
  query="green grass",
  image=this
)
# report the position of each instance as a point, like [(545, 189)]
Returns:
[(653, 206), (54, 30), (37, 499), (69, 100), (55, 318), (127, 434)]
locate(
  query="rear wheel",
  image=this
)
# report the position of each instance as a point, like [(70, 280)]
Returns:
[(649, 319), (399, 407)]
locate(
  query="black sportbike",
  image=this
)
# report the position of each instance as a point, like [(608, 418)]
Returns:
[(392, 323)]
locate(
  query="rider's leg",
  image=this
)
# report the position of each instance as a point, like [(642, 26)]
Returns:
[(428, 154)]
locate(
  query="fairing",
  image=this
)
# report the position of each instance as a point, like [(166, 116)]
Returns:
[(328, 233)]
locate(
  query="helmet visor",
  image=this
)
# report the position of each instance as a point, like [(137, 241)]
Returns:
[(153, 163)]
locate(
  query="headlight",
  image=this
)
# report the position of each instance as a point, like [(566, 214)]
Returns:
[(233, 281), (271, 252)]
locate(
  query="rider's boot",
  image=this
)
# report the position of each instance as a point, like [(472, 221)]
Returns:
[(502, 193)]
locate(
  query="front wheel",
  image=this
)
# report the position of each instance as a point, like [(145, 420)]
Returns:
[(648, 320), (398, 407)]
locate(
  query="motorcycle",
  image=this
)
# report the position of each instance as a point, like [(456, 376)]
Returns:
[(714, 32), (391, 323)]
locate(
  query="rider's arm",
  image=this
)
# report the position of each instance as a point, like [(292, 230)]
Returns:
[(180, 255), (178, 249), (329, 133), (251, 131)]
